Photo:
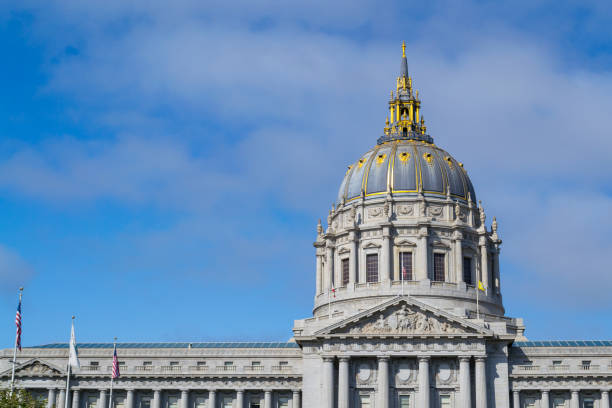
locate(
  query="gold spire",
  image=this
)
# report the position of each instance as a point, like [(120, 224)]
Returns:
[(403, 49)]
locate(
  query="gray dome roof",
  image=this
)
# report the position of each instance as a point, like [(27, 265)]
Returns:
[(405, 167)]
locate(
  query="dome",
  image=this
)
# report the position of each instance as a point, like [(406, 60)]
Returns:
[(405, 166)]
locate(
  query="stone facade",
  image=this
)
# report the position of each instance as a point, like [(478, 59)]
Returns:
[(399, 320)]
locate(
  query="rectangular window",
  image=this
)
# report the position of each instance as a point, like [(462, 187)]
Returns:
[(586, 363), (439, 268), (174, 363), (172, 401), (255, 363), (588, 403), (254, 405), (145, 403), (283, 363), (467, 270), (228, 363), (404, 401), (364, 401), (558, 403), (372, 268), (200, 402), (93, 363), (530, 402), (445, 401), (405, 265), (92, 402), (201, 363), (227, 402), (120, 402), (147, 363), (345, 272), (283, 402)]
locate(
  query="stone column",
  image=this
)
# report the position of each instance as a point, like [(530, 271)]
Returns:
[(545, 400), (156, 399), (51, 398), (575, 400), (422, 271), (383, 381), (212, 399), (297, 403), (516, 399), (129, 401), (329, 268), (76, 401), (319, 273), (328, 382), (385, 269), (484, 267), (464, 382), (354, 261), (343, 383), (481, 383), (496, 272), (62, 398), (268, 399), (424, 391), (458, 258), (103, 401), (240, 399), (184, 398), (605, 399)]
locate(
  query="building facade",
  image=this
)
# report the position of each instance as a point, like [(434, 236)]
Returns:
[(399, 320)]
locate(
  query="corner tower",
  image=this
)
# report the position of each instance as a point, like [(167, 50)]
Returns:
[(406, 223)]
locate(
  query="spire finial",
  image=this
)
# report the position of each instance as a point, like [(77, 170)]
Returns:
[(403, 49)]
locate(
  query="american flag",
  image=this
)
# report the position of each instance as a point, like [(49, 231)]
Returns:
[(18, 324), (115, 364)]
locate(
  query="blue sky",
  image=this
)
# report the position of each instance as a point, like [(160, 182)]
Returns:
[(162, 169)]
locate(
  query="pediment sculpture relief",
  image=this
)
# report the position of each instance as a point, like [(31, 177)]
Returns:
[(406, 321), (36, 368)]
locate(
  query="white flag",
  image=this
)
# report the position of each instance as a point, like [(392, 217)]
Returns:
[(74, 356)]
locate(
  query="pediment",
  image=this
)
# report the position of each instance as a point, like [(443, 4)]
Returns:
[(371, 245), (405, 316), (35, 368), (405, 242)]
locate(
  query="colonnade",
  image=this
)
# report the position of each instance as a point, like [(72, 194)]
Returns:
[(383, 385), (156, 401), (574, 401)]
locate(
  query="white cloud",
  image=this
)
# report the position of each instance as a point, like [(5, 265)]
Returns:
[(297, 99)]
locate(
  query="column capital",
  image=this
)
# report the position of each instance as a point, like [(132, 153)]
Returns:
[(212, 391), (296, 391), (383, 358), (184, 390), (465, 359), (605, 391), (268, 392), (328, 359), (424, 358), (544, 391), (344, 359), (480, 359), (574, 391)]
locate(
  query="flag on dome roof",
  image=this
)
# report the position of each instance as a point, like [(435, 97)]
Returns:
[(481, 286)]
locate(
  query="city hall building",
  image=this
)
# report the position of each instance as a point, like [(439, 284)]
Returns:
[(395, 321)]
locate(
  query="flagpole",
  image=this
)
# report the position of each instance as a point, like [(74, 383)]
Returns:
[(15, 348), (329, 304), (68, 375), (477, 305), (110, 397)]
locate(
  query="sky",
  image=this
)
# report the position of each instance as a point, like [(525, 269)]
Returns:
[(163, 166)]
